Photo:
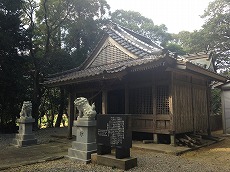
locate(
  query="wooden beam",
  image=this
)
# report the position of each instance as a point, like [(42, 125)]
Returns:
[(185, 72), (200, 70), (163, 117)]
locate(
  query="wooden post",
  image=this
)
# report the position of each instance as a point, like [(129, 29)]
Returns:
[(104, 101), (126, 99), (70, 113), (208, 108), (193, 115), (154, 112), (171, 101)]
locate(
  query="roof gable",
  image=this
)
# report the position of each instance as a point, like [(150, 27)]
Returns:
[(109, 52), (119, 44)]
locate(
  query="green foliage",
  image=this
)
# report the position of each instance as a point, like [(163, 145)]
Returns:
[(192, 42), (46, 121), (83, 27), (130, 19), (214, 36), (60, 34), (217, 29), (175, 48), (216, 101), (50, 104), (12, 62)]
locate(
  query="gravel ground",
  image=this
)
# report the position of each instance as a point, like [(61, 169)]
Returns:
[(147, 160), (43, 136)]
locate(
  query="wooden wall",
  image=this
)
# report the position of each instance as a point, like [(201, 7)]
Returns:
[(200, 108), (190, 111), (137, 94), (150, 102)]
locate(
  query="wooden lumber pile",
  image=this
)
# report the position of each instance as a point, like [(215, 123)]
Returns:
[(191, 140)]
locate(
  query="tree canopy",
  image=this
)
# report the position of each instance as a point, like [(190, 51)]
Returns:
[(214, 35), (61, 34), (12, 62), (217, 31)]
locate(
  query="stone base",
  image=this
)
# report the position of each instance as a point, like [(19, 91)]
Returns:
[(85, 144), (79, 160), (25, 120), (25, 137), (84, 156), (111, 161), (22, 140), (23, 143)]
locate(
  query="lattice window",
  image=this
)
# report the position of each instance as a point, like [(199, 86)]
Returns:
[(140, 101), (162, 99)]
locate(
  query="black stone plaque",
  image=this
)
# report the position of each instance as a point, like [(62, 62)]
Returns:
[(114, 130), (122, 152), (102, 149)]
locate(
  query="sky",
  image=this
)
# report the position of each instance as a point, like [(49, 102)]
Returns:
[(177, 15)]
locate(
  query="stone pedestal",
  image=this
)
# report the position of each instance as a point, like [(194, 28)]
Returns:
[(111, 161), (25, 137), (85, 143)]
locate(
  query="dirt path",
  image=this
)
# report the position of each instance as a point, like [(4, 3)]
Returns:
[(216, 154)]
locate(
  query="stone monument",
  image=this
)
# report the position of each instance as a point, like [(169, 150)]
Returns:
[(114, 131), (25, 137), (85, 125)]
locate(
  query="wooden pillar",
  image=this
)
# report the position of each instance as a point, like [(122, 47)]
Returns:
[(171, 103), (70, 113), (209, 108), (126, 99), (154, 101), (192, 104), (104, 101)]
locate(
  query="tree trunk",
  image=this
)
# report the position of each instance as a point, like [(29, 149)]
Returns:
[(36, 99), (61, 108)]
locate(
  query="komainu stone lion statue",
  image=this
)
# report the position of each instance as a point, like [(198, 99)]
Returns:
[(85, 110), (26, 110)]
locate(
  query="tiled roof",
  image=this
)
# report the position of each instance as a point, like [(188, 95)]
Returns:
[(149, 56), (140, 47), (110, 68), (202, 59)]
